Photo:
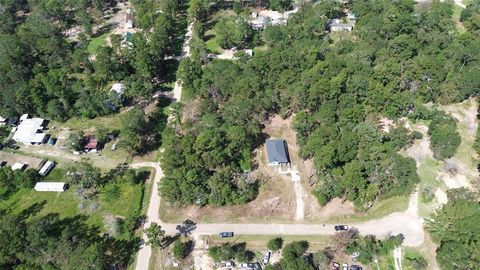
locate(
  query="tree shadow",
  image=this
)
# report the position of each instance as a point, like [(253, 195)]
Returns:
[(121, 251), (32, 210)]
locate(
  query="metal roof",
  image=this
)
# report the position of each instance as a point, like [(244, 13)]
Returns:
[(277, 151)]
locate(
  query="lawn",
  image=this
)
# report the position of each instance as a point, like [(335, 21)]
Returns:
[(212, 43), (96, 42), (259, 242), (68, 204), (111, 122)]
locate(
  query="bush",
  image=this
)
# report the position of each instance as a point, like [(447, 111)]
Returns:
[(275, 244), (427, 194), (180, 250), (112, 192)]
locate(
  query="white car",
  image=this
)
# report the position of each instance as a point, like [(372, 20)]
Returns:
[(344, 266), (266, 258)]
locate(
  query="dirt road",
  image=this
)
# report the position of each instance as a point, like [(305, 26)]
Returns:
[(177, 89), (152, 213)]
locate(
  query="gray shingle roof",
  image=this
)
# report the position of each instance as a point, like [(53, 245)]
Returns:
[(277, 151)]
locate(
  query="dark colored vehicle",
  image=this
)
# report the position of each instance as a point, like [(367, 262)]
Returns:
[(355, 267), (341, 228), (52, 141), (225, 234)]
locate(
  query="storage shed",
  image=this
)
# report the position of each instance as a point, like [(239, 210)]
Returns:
[(51, 186)]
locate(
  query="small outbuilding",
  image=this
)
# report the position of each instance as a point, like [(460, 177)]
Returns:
[(91, 144), (51, 186), (277, 152)]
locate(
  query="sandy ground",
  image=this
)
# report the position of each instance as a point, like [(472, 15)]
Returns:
[(12, 158), (420, 149), (441, 196)]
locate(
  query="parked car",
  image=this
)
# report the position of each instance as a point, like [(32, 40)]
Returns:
[(52, 141), (336, 266), (344, 266), (229, 264), (266, 258), (244, 266), (341, 228), (114, 146), (355, 267), (225, 234)]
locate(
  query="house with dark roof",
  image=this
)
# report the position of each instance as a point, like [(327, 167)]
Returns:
[(277, 152)]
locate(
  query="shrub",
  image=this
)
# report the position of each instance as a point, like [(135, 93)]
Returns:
[(275, 244)]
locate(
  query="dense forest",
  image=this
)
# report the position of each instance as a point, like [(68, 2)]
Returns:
[(455, 228), (44, 73), (399, 56)]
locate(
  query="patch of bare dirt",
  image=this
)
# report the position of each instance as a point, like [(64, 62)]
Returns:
[(12, 158), (275, 203), (420, 149), (465, 113), (441, 196)]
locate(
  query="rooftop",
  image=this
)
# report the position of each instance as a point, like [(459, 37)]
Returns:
[(29, 131), (277, 151)]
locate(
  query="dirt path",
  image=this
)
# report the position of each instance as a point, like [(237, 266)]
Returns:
[(145, 251), (397, 258), (177, 89)]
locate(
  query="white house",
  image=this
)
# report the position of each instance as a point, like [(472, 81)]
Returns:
[(337, 25), (50, 186), (19, 166), (47, 167), (30, 131)]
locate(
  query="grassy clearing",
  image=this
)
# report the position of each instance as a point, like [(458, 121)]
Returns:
[(112, 121), (379, 209), (457, 11), (259, 242), (68, 204), (213, 46), (428, 171), (96, 42)]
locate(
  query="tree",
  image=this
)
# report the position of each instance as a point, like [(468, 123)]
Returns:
[(275, 244), (86, 178), (155, 235), (180, 250), (444, 137), (293, 257), (76, 141), (133, 130)]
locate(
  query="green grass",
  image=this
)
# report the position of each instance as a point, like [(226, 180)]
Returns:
[(67, 203), (259, 242), (96, 42), (379, 209), (457, 11), (110, 122), (213, 46)]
